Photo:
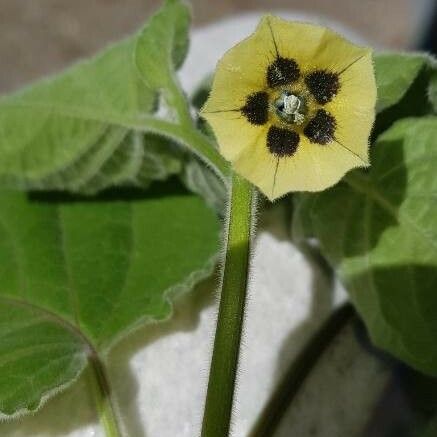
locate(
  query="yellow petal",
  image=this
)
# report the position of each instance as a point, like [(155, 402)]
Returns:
[(354, 105), (241, 71), (313, 167), (313, 47), (233, 132)]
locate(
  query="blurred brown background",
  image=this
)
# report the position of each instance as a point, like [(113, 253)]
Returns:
[(42, 36)]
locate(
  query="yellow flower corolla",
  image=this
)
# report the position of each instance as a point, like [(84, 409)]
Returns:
[(292, 107)]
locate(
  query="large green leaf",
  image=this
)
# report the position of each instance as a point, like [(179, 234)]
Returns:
[(83, 130), (163, 44), (395, 72), (73, 131), (404, 87), (433, 90), (379, 229), (77, 275)]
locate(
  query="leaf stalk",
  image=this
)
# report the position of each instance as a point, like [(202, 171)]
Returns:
[(102, 395)]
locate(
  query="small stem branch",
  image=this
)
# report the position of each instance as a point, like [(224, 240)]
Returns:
[(178, 101), (102, 394), (220, 394), (188, 131), (190, 137), (300, 368), (206, 150)]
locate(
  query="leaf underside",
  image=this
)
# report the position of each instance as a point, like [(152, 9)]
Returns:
[(383, 239)]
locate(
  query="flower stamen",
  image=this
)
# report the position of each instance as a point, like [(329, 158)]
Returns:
[(290, 108)]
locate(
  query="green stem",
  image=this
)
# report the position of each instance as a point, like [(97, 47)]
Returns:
[(190, 137), (178, 101), (300, 368), (206, 150), (102, 394), (220, 394)]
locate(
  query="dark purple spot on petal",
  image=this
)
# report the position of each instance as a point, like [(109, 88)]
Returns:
[(323, 85), (320, 129), (282, 142), (282, 71), (256, 108)]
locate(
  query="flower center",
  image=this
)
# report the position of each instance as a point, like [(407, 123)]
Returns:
[(290, 107)]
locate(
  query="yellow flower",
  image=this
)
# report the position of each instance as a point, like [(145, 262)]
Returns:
[(292, 107)]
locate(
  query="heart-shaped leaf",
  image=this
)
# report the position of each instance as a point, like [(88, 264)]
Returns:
[(395, 72), (83, 130), (63, 133), (379, 229), (76, 275)]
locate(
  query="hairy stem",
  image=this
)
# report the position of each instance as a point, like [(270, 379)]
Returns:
[(206, 150), (178, 101), (220, 394), (102, 394), (190, 137), (299, 369), (189, 133)]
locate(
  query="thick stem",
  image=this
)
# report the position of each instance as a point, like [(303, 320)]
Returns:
[(219, 399), (299, 369), (102, 395)]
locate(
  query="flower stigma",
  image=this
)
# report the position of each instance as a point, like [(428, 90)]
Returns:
[(290, 107)]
